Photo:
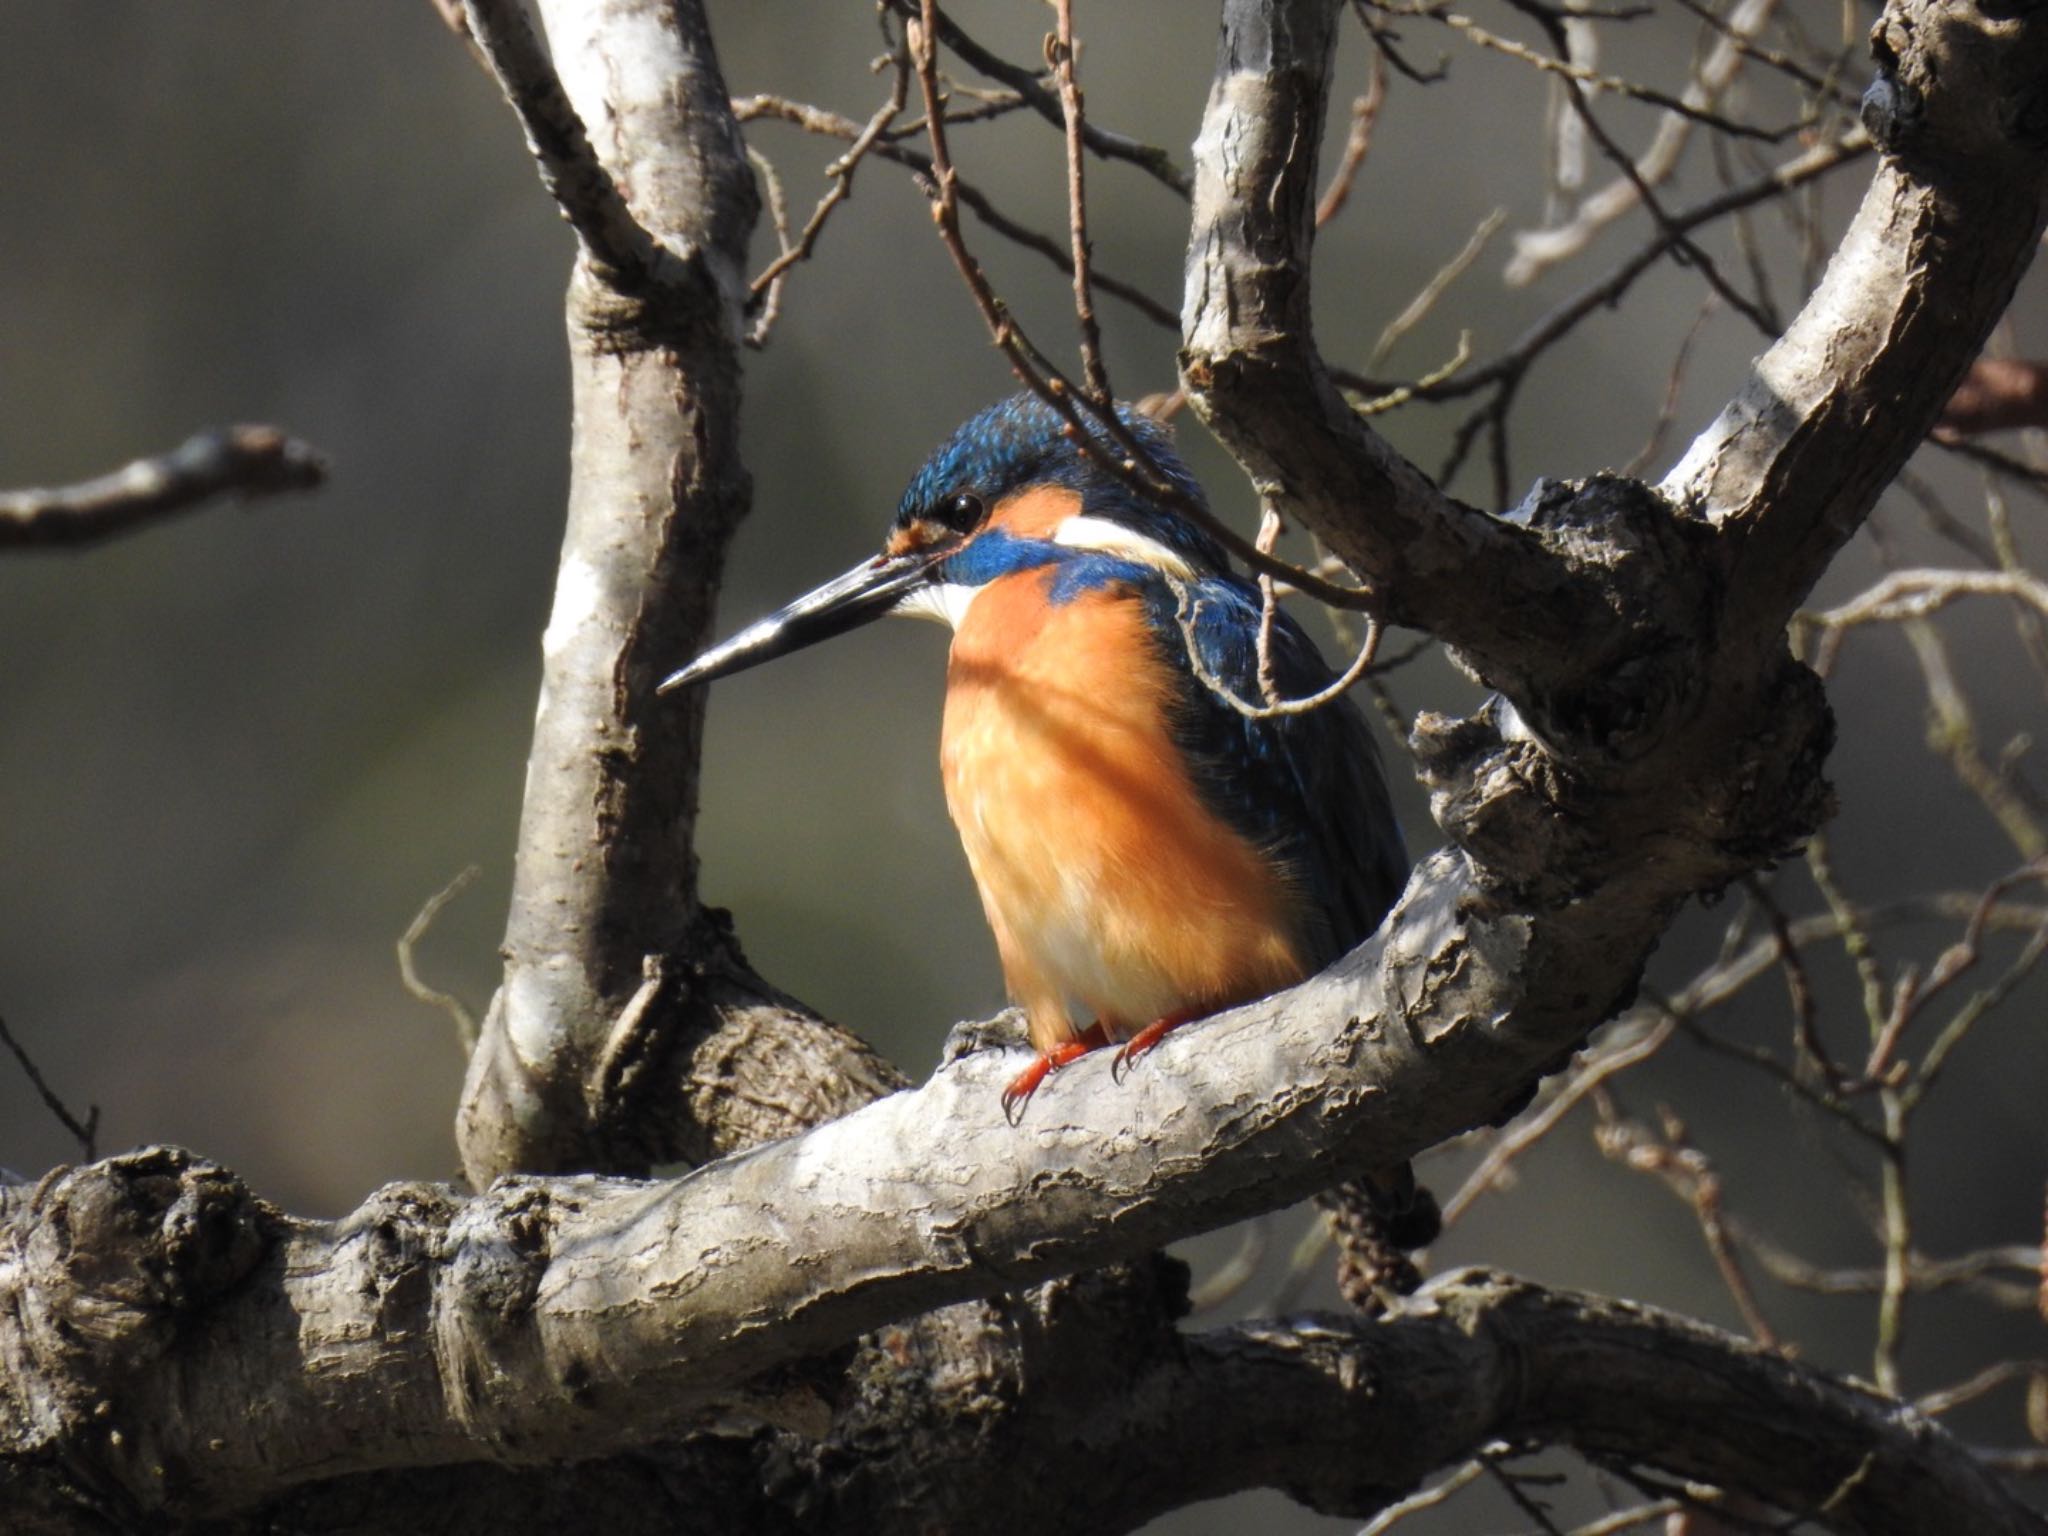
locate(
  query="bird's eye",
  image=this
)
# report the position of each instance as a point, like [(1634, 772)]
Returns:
[(962, 512)]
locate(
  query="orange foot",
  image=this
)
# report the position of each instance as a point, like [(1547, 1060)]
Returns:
[(1144, 1040), (1025, 1083)]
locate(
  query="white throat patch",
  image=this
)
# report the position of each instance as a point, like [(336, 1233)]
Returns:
[(946, 602)]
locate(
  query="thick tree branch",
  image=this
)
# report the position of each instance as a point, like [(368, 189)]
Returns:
[(174, 1293), (614, 976), (1249, 362), (1834, 408), (241, 461), (612, 239)]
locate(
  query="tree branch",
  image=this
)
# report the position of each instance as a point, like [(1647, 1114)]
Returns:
[(1952, 219), (143, 1294), (241, 461), (615, 978)]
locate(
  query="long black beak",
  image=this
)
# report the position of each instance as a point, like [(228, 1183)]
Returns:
[(846, 602)]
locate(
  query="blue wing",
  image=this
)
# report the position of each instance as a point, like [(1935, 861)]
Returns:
[(1306, 786)]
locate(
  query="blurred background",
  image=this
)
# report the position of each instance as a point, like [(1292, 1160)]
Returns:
[(240, 750)]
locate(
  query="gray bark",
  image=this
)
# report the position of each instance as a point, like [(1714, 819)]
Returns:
[(231, 1354), (826, 1333), (619, 989)]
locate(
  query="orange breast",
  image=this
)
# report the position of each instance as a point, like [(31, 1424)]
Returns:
[(1111, 887)]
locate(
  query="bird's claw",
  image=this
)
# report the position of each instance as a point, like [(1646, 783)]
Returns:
[(1143, 1041)]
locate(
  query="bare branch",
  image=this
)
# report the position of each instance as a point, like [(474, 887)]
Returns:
[(569, 168), (1155, 162), (1351, 1413), (1998, 393), (241, 461), (1834, 408), (408, 974), (1060, 50), (85, 1132)]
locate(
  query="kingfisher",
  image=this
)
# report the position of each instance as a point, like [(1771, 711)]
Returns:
[(1147, 852)]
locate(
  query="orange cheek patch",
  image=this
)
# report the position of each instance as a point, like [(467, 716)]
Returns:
[(1036, 513), (912, 537)]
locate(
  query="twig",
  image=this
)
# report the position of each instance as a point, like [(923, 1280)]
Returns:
[(1513, 1485), (1688, 252), (447, 1002), (1690, 1174), (1992, 1377), (1187, 612), (1235, 1272), (764, 293), (1365, 113), (1952, 732), (1428, 1498), (1155, 162), (1968, 1271), (2018, 470), (86, 1132), (1628, 1519), (241, 461), (1417, 309), (1038, 374), (1801, 170), (1536, 251), (1667, 411), (1525, 1133), (1691, 106), (832, 125), (569, 168), (1060, 53), (1806, 1042)]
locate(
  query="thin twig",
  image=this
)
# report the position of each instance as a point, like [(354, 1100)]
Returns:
[(831, 125), (1417, 309), (1992, 1377), (569, 168), (1969, 1271), (1510, 366), (85, 1132), (1187, 613), (1690, 1174), (1365, 113), (764, 293), (1538, 250), (241, 461), (1525, 1133), (1667, 411), (1428, 1498), (447, 1002), (1060, 52), (1155, 162)]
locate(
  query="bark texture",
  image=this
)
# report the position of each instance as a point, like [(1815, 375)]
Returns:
[(827, 1333), (236, 1358), (620, 992)]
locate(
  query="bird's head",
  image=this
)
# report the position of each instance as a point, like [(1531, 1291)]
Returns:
[(1008, 491)]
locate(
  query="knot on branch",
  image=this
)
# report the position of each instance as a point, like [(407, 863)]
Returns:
[(1634, 587), (1967, 85), (118, 1249), (707, 1058), (1735, 783), (498, 1250), (680, 306), (111, 1261)]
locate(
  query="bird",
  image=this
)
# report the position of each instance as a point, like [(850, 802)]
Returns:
[(1147, 853)]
